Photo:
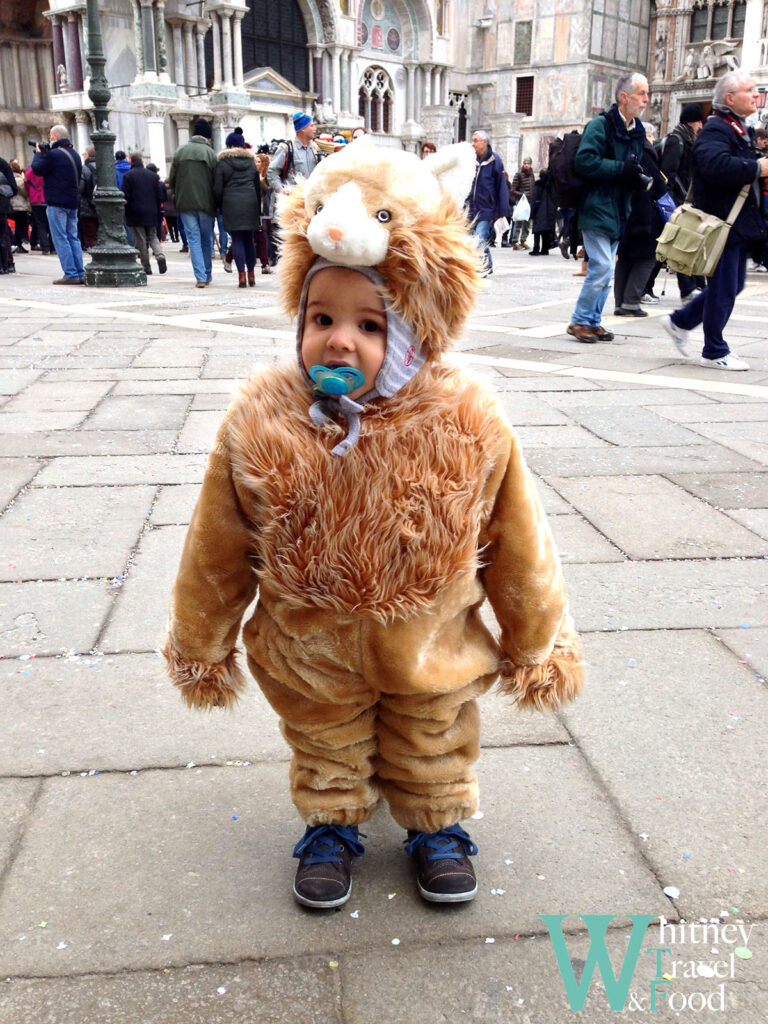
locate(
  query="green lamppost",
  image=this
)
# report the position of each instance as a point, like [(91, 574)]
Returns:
[(113, 260)]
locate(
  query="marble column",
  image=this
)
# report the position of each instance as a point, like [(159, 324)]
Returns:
[(345, 98), (216, 39), (317, 74), (190, 64), (753, 25), (75, 66), (16, 71), (138, 44), (226, 46), (336, 78), (426, 91), (148, 37), (38, 101), (154, 117), (182, 129), (201, 30), (237, 46), (162, 47), (410, 95), (83, 130), (59, 56), (178, 58)]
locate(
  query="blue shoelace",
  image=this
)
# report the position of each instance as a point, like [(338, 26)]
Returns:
[(321, 843), (443, 845)]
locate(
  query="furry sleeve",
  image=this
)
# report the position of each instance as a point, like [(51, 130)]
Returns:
[(542, 665), (215, 584)]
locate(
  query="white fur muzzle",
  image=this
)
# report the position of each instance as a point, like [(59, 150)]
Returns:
[(344, 232)]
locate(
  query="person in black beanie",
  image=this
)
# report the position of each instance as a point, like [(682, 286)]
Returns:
[(191, 181), (676, 149)]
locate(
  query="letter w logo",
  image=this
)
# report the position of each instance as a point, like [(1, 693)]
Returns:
[(616, 989)]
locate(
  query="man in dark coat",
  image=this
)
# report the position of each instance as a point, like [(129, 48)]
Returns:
[(488, 199), (89, 217), (60, 169), (142, 209), (724, 161), (8, 180), (676, 155)]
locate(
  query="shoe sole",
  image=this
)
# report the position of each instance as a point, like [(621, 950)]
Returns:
[(446, 897), (732, 369), (321, 904)]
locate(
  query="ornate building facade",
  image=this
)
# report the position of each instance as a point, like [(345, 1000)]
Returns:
[(526, 70)]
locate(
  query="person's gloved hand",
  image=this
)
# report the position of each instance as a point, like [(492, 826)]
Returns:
[(631, 173)]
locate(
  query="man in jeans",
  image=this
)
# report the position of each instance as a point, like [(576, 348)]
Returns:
[(191, 181), (60, 169), (608, 158), (488, 198)]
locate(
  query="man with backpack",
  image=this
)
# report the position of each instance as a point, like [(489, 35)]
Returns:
[(608, 158), (295, 159), (676, 150)]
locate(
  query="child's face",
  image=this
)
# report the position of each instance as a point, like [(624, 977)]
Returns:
[(345, 324)]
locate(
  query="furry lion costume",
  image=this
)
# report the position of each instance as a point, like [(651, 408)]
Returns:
[(371, 568)]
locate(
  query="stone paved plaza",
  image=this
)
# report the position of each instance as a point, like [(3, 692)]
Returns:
[(145, 851)]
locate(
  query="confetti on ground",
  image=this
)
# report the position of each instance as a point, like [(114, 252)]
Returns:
[(489, 942), (395, 942), (235, 817), (221, 991), (508, 861), (498, 892), (743, 953), (672, 892), (355, 914), (63, 945), (542, 878), (43, 924), (667, 977), (478, 815), (643, 836), (391, 896), (333, 963), (686, 856), (705, 970), (167, 938)]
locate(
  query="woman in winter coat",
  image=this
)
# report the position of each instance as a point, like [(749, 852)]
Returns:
[(637, 248), (22, 209), (543, 215), (237, 192)]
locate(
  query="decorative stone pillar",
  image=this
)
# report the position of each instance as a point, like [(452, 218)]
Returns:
[(59, 55), (345, 98), (16, 69), (226, 46), (178, 59), (148, 37), (410, 97), (162, 46), (438, 124), (237, 46), (200, 30), (182, 128), (83, 121), (317, 74), (190, 64), (138, 44), (154, 115), (426, 92), (75, 66), (216, 39), (336, 78)]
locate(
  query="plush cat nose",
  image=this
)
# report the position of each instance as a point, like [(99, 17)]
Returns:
[(335, 234)]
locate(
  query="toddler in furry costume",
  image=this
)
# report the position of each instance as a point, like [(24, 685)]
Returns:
[(374, 497)]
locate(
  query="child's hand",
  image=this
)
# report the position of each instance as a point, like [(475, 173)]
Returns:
[(205, 686), (549, 685)]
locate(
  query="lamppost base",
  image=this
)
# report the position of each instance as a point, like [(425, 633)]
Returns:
[(114, 268)]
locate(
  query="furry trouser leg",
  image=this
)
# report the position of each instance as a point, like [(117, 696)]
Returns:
[(427, 745)]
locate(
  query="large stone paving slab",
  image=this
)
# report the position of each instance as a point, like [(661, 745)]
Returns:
[(59, 396), (156, 412), (517, 981), (726, 490), (634, 427), (199, 431), (122, 713), (578, 541), (675, 728), (649, 517), (60, 443), (51, 617), (15, 474), (124, 469), (175, 504), (749, 439), (72, 532), (17, 797), (219, 842), (614, 461), (668, 595), (140, 617), (306, 989), (750, 645), (732, 412)]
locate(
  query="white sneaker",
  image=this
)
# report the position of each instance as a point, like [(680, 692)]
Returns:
[(681, 338), (728, 362), (649, 300)]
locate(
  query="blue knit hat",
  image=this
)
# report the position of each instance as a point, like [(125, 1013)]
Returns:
[(235, 139), (301, 120)]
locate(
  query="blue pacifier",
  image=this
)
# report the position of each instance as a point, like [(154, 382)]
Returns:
[(335, 381)]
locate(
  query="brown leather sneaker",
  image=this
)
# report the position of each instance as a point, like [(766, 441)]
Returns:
[(323, 877), (585, 333), (444, 873), (603, 335)]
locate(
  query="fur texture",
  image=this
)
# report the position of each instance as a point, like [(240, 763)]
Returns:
[(429, 261), (203, 685), (552, 683)]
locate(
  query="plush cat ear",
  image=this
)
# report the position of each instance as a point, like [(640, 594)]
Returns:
[(454, 168)]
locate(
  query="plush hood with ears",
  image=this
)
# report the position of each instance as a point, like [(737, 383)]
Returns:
[(374, 206)]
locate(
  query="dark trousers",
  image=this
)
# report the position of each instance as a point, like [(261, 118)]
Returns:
[(714, 305), (630, 280), (173, 230), (688, 284), (40, 221), (542, 240), (21, 234), (262, 246), (243, 250), (89, 230), (6, 257)]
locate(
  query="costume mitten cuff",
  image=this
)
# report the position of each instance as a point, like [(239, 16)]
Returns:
[(204, 685), (551, 683)]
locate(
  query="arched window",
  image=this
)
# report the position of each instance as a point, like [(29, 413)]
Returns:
[(720, 15), (274, 35), (375, 100), (739, 15), (441, 17)]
